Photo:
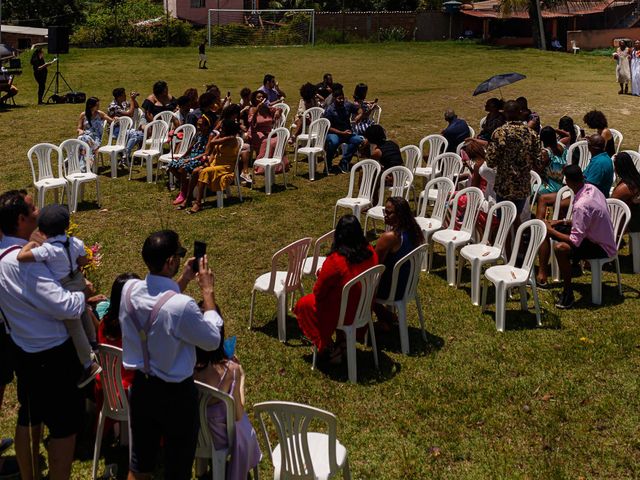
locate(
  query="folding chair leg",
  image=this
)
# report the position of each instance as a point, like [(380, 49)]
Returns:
[(501, 299), (97, 446), (282, 318), (596, 283), (536, 302), (253, 301), (476, 282), (404, 331), (351, 356), (617, 261), (421, 317)]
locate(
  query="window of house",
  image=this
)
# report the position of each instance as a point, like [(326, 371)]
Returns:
[(198, 3)]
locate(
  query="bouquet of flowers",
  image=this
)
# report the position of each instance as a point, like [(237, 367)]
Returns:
[(93, 252)]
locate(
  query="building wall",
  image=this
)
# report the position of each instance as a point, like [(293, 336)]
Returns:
[(21, 41), (183, 10), (592, 39)]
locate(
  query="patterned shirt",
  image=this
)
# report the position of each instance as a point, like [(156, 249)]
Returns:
[(117, 109), (513, 152)]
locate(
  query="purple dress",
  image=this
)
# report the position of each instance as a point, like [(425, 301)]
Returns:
[(245, 453)]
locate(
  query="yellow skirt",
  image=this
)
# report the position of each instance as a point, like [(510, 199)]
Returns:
[(217, 177)]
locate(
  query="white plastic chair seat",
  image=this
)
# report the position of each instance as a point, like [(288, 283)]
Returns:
[(377, 212), (456, 237), (319, 450), (146, 153), (506, 273), (262, 282), (82, 176), (433, 194), (423, 172), (111, 148), (308, 264), (51, 182), (308, 150), (429, 225), (485, 253), (353, 202)]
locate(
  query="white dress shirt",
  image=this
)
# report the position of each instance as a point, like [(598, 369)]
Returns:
[(179, 328), (33, 302), (54, 254)]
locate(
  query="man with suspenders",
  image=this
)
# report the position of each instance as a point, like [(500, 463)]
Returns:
[(45, 362), (160, 329)]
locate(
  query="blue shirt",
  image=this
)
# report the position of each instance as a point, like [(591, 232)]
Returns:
[(599, 172), (272, 94), (456, 133), (340, 116)]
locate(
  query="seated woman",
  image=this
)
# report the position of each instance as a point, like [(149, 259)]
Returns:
[(183, 168), (307, 100), (361, 121), (596, 119), (628, 188), (377, 147), (160, 101), (403, 236), (493, 120), (318, 313), (219, 174), (90, 129), (262, 118), (217, 370), (554, 156)]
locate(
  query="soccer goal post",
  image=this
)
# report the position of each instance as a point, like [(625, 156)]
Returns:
[(246, 27)]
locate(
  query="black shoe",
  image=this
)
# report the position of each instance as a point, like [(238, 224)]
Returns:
[(565, 300)]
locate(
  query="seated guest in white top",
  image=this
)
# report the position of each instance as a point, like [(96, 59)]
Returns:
[(164, 401), (44, 358), (271, 89)]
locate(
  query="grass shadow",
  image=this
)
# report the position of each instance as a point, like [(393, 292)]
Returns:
[(517, 319), (418, 347), (366, 371), (271, 329)]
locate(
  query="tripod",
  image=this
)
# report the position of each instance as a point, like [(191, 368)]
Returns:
[(56, 78)]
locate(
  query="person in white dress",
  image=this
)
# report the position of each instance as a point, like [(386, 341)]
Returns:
[(635, 68), (623, 70)]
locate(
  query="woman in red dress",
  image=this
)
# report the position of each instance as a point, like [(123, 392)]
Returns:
[(318, 312)]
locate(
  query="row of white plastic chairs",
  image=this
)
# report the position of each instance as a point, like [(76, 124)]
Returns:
[(299, 453)]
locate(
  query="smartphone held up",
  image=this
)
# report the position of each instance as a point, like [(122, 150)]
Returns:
[(199, 251)]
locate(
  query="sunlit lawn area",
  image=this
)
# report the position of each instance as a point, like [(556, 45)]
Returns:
[(561, 401)]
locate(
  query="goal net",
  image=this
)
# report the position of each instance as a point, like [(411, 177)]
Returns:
[(231, 27)]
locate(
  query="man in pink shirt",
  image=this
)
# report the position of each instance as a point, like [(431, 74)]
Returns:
[(589, 233)]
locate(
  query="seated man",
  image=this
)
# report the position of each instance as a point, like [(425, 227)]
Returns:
[(271, 89), (599, 171), (589, 233), (339, 115), (119, 107), (456, 132)]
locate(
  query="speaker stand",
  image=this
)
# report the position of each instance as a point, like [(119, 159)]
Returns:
[(56, 79)]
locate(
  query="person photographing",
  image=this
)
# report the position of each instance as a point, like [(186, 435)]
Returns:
[(40, 69)]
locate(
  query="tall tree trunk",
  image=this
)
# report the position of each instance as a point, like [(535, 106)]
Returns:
[(537, 28)]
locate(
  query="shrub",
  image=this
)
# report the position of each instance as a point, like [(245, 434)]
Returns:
[(393, 34)]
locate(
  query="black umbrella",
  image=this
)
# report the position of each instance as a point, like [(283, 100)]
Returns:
[(5, 51), (497, 81)]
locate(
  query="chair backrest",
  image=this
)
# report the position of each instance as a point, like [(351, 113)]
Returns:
[(369, 169), (538, 231), (367, 282), (437, 145), (282, 136), (375, 114), (564, 192), (578, 130), (459, 148), (635, 156), (157, 130), (322, 240), (116, 403), (72, 150), (475, 197), (237, 168), (401, 178), (309, 115), (167, 116), (318, 131), (472, 132), (617, 138), (292, 422), (444, 188), (124, 124), (583, 148), (138, 115), (482, 120), (411, 157), (43, 153), (284, 108), (447, 165), (414, 259), (620, 217), (507, 214), (296, 254), (536, 182), (205, 439), (180, 146)]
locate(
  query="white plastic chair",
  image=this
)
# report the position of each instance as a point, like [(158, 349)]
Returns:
[(155, 131), (564, 192), (452, 239), (443, 188), (376, 113), (368, 282), (414, 261), (282, 121), (508, 276), (116, 146), (116, 403), (308, 117), (617, 138), (585, 156), (282, 283), (578, 131), (635, 156), (620, 216), (482, 120), (314, 263), (472, 132), (447, 165), (167, 117), (536, 182), (483, 253), (401, 178), (45, 179), (177, 148), (272, 159), (437, 145), (411, 158), (138, 118), (300, 453), (369, 169), (72, 150), (574, 47), (314, 148), (634, 239)]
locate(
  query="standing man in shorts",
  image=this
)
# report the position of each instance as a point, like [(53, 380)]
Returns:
[(45, 362)]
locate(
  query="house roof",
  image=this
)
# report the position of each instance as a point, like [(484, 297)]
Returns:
[(24, 30), (491, 9)]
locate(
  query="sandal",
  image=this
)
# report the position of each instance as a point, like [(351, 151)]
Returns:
[(195, 208)]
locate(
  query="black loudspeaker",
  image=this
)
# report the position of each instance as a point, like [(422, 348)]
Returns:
[(58, 40)]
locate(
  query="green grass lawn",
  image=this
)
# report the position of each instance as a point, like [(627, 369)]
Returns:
[(559, 401)]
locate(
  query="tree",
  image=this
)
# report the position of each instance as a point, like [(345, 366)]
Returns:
[(43, 13), (534, 8)]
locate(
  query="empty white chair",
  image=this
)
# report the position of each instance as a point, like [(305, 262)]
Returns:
[(301, 453), (72, 150), (155, 131), (437, 145), (284, 113), (508, 276), (620, 216), (447, 165), (368, 282), (116, 145), (369, 171), (178, 147), (282, 283), (308, 116), (564, 192), (617, 138), (452, 239), (585, 157), (401, 179), (574, 47), (314, 263), (443, 188), (411, 158), (414, 261), (272, 158), (170, 119), (314, 148), (44, 179), (483, 253), (116, 403)]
